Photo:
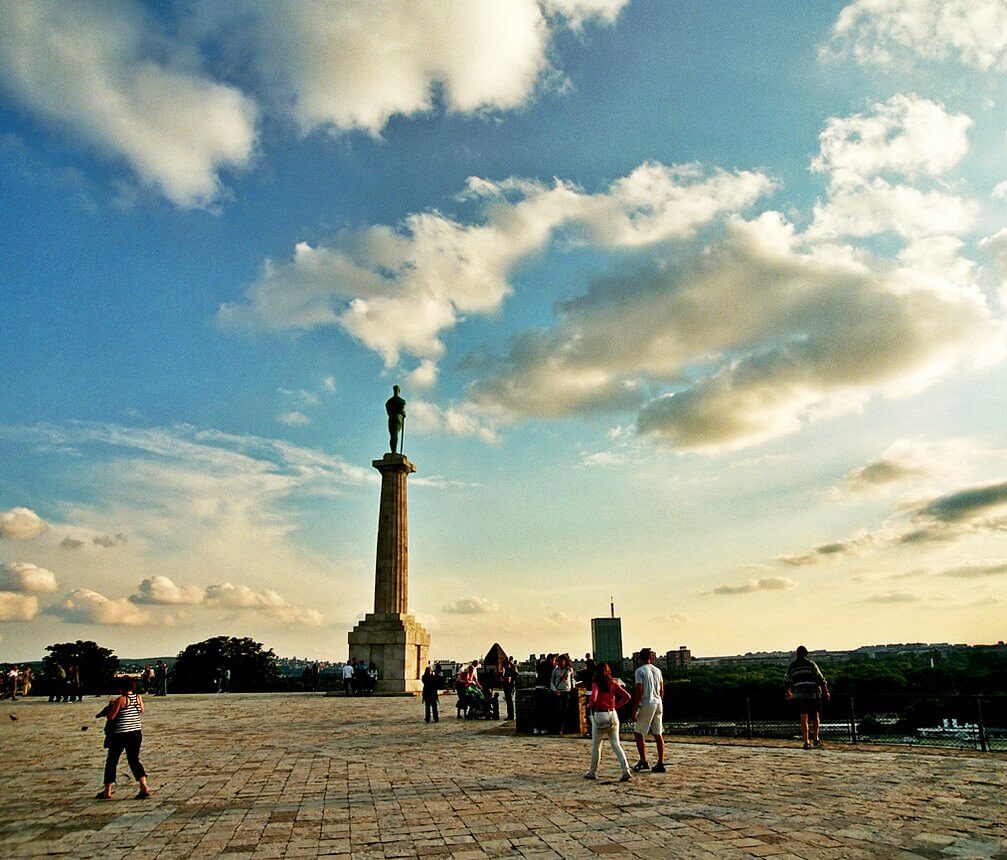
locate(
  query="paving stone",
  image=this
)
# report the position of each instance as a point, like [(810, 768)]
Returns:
[(364, 778)]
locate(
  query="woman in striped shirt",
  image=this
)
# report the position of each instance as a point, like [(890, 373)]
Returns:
[(125, 734)]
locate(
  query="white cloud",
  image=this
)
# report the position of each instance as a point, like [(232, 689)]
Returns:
[(349, 66), (578, 11), (84, 606), (470, 606), (973, 32), (911, 459), (294, 418), (25, 577), (906, 134), (95, 68), (860, 207), (267, 602), (21, 524), (756, 334), (161, 591), (768, 583), (463, 420), (17, 607), (329, 384), (397, 289)]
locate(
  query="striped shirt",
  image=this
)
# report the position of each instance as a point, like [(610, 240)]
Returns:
[(805, 679), (128, 718)]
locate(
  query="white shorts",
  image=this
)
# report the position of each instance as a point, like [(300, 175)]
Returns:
[(649, 719)]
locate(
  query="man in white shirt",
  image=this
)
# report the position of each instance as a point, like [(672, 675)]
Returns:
[(348, 677), (648, 710)]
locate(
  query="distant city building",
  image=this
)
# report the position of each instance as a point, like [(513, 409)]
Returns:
[(680, 659), (606, 641)]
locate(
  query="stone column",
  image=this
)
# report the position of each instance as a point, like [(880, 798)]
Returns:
[(389, 635), (391, 575)]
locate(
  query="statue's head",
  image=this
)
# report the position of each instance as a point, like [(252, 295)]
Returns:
[(395, 389)]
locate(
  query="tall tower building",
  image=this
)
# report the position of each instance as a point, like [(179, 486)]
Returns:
[(606, 641)]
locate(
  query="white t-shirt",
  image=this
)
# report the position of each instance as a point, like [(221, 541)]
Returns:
[(347, 672), (650, 677)]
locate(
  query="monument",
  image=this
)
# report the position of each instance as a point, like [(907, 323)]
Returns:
[(389, 636)]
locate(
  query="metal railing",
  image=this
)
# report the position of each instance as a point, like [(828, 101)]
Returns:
[(946, 720)]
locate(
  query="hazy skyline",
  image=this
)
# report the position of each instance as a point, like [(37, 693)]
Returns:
[(697, 307)]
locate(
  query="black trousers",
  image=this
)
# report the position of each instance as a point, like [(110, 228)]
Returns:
[(130, 742), (508, 692), (431, 710)]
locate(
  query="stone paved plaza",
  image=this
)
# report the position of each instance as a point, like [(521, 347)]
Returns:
[(303, 775)]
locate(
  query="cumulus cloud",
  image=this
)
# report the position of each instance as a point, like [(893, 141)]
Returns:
[(267, 602), (756, 335), (25, 577), (94, 68), (84, 606), (17, 607), (906, 136), (973, 32), (767, 583), (461, 420), (351, 66), (21, 524), (161, 591), (396, 289), (470, 606)]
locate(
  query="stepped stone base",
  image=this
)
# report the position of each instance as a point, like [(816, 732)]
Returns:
[(399, 646)]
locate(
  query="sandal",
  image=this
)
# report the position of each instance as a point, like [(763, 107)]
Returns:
[(102, 796)]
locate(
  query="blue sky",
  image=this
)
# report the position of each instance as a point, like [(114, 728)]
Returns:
[(700, 308)]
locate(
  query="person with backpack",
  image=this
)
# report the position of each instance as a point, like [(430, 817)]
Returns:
[(124, 733), (606, 697)]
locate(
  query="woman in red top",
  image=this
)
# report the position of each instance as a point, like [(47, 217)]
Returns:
[(607, 696)]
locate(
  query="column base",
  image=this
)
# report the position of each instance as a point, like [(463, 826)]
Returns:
[(398, 645)]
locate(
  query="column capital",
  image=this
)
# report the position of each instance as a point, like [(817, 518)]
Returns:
[(394, 463)]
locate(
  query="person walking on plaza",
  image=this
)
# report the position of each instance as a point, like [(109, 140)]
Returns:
[(606, 697), (431, 692), (27, 676), (509, 682), (805, 687), (126, 734), (74, 689), (348, 678), (561, 686), (648, 710)]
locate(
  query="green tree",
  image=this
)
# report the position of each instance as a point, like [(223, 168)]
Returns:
[(199, 666), (97, 665)]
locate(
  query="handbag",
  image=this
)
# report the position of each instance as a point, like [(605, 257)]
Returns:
[(603, 719)]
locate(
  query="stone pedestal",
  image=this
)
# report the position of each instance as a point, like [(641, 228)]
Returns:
[(389, 636), (399, 647)]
